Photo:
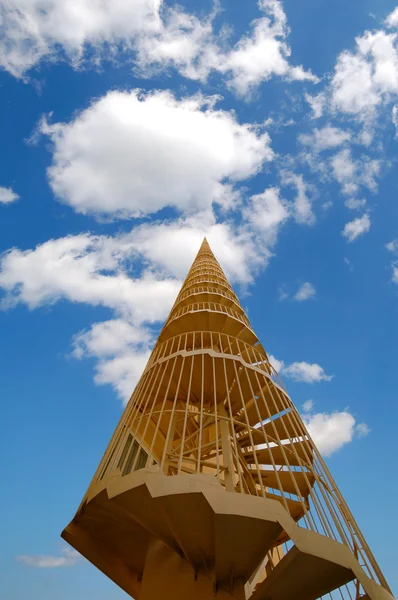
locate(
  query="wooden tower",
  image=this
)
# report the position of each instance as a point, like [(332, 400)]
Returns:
[(211, 486)]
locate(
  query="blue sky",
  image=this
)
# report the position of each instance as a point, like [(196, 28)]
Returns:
[(129, 131)]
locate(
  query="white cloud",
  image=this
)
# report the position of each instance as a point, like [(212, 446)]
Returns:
[(392, 246), (308, 406), (317, 104), (305, 292), (7, 195), (395, 273), (348, 263), (300, 371), (264, 53), (365, 136), (182, 41), (277, 364), (131, 154), (108, 338), (394, 116), (122, 372), (352, 85), (266, 212), (368, 77), (327, 205), (344, 170), (282, 293), (33, 31), (364, 81), (137, 275), (356, 228), (306, 372), (370, 169), (362, 430), (351, 174), (122, 346), (302, 207), (121, 349), (330, 431), (326, 138), (68, 558), (355, 203), (172, 246), (149, 34), (392, 19), (88, 269)]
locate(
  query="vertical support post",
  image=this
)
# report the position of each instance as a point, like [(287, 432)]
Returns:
[(169, 444), (226, 451)]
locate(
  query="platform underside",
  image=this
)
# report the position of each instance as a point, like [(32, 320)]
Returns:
[(211, 541)]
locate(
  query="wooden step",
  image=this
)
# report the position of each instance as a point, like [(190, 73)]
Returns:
[(286, 480), (269, 401), (295, 508), (284, 427), (307, 573), (293, 452)]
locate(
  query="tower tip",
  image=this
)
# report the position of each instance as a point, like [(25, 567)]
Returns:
[(204, 245)]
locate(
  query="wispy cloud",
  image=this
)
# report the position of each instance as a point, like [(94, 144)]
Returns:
[(308, 406), (326, 138), (68, 558), (356, 228), (300, 371), (305, 292), (394, 116), (302, 204), (392, 246), (7, 195), (306, 372)]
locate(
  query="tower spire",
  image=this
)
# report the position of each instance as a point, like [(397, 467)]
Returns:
[(211, 486), (205, 247)]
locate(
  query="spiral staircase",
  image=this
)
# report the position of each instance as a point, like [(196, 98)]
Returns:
[(211, 486)]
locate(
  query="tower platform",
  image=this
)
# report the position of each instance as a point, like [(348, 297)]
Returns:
[(149, 533)]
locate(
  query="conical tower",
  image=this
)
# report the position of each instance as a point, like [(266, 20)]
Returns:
[(211, 486)]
